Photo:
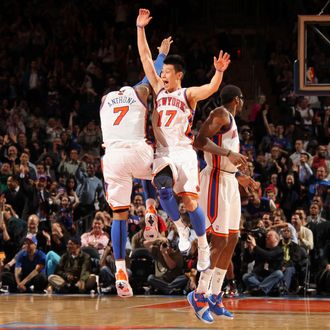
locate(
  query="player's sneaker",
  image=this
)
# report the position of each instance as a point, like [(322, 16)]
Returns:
[(216, 306), (203, 261), (184, 243), (151, 220), (201, 307), (123, 287)]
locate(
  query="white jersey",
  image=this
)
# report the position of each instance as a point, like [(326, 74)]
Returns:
[(123, 118), (229, 140), (172, 119)]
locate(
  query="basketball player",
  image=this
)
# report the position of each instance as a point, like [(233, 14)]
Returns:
[(127, 155), (220, 199), (175, 167)]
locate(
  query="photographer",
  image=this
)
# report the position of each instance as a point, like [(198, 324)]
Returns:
[(169, 277), (266, 272)]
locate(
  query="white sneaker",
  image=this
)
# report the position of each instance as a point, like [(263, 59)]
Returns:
[(184, 243), (123, 287), (203, 262), (151, 230)]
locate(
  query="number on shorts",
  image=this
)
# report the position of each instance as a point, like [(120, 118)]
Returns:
[(122, 112), (170, 114)]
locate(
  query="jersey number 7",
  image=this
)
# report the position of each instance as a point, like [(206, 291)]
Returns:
[(122, 112)]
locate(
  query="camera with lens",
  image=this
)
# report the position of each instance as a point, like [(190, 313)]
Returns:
[(258, 233), (165, 245)]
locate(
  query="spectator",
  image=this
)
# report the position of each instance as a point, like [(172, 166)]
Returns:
[(69, 167), (292, 256), (266, 273), (29, 269), (15, 196), (73, 271), (305, 235), (12, 230), (90, 191), (90, 139), (315, 214), (305, 171), (96, 238), (319, 160), (169, 277), (280, 223)]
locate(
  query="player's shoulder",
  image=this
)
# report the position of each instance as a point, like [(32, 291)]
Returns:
[(220, 112)]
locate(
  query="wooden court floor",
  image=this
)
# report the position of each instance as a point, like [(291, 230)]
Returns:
[(156, 312)]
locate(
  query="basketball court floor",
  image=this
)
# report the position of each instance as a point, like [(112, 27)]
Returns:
[(156, 312)]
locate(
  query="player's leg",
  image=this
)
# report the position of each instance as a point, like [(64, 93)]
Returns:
[(187, 186), (151, 219), (231, 215), (119, 239), (164, 182), (118, 182), (197, 220)]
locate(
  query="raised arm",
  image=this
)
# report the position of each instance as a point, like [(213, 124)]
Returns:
[(217, 119), (145, 55), (195, 94), (163, 50)]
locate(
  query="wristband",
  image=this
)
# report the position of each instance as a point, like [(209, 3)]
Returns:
[(229, 152), (219, 70), (139, 26)]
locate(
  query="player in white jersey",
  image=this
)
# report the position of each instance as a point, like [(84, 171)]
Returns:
[(127, 155), (220, 199), (175, 167)]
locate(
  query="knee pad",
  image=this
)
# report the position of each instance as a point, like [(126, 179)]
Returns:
[(164, 179), (165, 193)]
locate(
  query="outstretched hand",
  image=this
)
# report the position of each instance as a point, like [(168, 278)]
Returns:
[(221, 63), (143, 18), (164, 47), (248, 183)]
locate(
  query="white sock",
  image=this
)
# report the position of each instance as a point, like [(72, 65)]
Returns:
[(217, 280), (179, 224), (204, 281), (202, 241), (120, 264)]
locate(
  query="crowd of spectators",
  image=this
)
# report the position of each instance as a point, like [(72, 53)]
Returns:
[(55, 221)]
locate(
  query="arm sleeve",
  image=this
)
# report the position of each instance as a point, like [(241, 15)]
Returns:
[(158, 64)]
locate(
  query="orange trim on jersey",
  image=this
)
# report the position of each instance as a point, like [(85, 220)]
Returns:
[(232, 231), (216, 159), (188, 130), (116, 208), (212, 196), (186, 193), (213, 232)]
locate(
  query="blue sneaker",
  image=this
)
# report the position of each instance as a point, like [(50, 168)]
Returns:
[(216, 306), (200, 305)]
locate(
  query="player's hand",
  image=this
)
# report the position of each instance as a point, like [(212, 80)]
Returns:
[(164, 47), (144, 18), (221, 63), (238, 159), (248, 183)]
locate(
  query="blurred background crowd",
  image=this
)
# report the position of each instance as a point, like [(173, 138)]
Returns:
[(58, 58)]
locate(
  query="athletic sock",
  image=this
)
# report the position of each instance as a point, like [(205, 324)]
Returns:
[(197, 220), (217, 280), (119, 238), (204, 281)]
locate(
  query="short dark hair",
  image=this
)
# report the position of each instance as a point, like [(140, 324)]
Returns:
[(177, 61), (229, 92)]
